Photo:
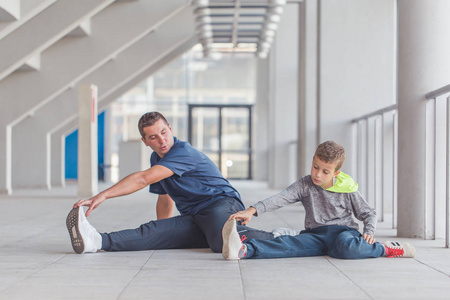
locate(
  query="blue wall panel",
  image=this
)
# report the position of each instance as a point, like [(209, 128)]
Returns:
[(71, 154)]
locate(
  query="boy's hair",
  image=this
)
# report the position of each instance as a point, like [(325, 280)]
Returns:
[(331, 152), (148, 119)]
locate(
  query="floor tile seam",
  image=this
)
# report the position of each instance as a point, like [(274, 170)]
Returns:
[(242, 280), (135, 275), (99, 268), (351, 280), (32, 273), (431, 267)]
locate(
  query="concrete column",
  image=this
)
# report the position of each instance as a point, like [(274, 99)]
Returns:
[(423, 66), (87, 141), (283, 95), (57, 164), (308, 118), (30, 137), (261, 125), (58, 149), (5, 156)]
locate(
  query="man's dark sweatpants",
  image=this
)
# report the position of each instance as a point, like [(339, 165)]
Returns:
[(201, 230)]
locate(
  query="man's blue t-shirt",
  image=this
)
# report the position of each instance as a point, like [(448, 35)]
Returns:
[(197, 182)]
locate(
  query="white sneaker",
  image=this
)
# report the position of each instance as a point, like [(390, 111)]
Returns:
[(83, 235), (285, 231), (399, 249), (232, 245)]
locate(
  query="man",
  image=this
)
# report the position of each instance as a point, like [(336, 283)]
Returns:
[(179, 174)]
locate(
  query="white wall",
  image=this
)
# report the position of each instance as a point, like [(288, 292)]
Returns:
[(336, 60), (134, 156), (357, 65)]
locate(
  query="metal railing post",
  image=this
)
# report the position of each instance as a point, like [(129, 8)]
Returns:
[(382, 167), (363, 140), (394, 170), (432, 97), (447, 190)]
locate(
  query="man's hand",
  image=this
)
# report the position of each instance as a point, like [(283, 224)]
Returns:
[(368, 238), (93, 203), (127, 185), (244, 215)]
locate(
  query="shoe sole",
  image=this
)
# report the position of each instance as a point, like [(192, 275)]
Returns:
[(229, 240), (74, 231)]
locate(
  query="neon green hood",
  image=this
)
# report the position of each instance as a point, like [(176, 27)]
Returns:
[(344, 184)]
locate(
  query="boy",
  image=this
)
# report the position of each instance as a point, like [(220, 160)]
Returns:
[(329, 197)]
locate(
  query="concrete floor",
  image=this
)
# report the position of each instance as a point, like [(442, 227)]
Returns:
[(37, 260)]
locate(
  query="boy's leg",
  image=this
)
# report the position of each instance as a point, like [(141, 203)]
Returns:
[(247, 233), (302, 245), (307, 243), (349, 244), (179, 232), (211, 219)]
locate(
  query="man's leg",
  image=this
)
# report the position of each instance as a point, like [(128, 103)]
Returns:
[(84, 237), (212, 218), (349, 244), (179, 232)]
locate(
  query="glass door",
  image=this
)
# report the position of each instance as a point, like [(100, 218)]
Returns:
[(204, 131), (223, 132)]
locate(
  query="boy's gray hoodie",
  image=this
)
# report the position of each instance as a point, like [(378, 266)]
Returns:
[(333, 206)]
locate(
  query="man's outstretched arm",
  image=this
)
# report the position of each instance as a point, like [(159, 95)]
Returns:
[(127, 185)]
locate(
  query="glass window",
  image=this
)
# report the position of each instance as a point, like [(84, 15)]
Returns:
[(224, 78)]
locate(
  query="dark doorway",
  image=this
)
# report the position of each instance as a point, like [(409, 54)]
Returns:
[(223, 132)]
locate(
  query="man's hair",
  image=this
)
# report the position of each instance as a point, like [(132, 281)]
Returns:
[(148, 119), (331, 152)]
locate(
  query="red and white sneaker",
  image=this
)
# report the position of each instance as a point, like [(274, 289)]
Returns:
[(233, 248), (399, 249)]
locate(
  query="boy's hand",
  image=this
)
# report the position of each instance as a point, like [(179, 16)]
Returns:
[(368, 238), (244, 215)]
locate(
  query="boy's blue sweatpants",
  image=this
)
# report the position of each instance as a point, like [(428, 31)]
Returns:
[(201, 230), (334, 240)]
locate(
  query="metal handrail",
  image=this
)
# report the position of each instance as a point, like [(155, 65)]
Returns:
[(376, 113), (439, 92)]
